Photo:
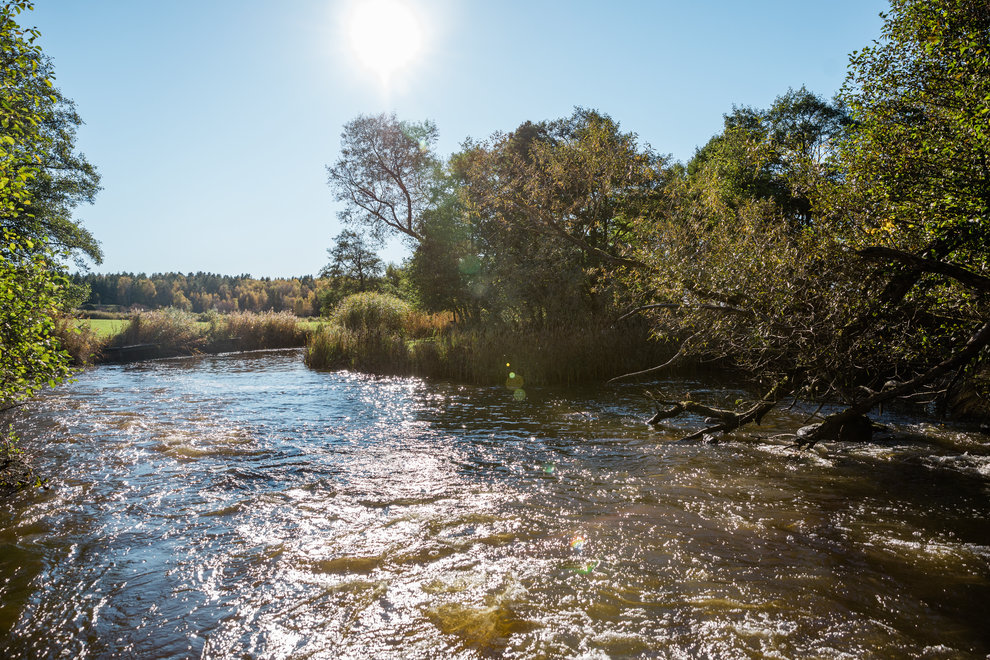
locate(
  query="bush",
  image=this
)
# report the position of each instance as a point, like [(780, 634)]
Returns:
[(371, 312)]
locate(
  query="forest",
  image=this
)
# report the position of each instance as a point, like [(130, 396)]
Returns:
[(198, 292)]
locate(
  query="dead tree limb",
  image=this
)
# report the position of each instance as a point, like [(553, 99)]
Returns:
[(677, 356), (729, 420)]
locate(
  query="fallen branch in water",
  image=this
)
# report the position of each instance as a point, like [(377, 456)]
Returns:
[(730, 420), (832, 424)]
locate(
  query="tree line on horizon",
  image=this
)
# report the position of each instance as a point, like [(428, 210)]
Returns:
[(199, 292)]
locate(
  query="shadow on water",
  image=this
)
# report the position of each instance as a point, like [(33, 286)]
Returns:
[(245, 506)]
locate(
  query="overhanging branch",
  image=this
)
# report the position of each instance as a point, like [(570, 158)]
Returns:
[(962, 275)]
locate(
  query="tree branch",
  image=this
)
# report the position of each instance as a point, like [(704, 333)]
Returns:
[(958, 273), (832, 423)]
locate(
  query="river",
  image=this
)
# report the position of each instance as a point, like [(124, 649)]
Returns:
[(244, 506)]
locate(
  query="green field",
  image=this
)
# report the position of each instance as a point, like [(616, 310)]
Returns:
[(103, 327)]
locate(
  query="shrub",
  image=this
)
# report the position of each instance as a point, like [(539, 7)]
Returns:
[(371, 312)]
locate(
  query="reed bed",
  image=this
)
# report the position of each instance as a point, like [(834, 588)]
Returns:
[(252, 331), (381, 334), (171, 332)]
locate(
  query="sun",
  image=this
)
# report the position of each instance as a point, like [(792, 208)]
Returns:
[(385, 35)]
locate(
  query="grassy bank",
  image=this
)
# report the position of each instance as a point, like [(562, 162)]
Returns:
[(381, 334), (171, 332)]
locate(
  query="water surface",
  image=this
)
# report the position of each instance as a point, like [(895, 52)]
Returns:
[(243, 506)]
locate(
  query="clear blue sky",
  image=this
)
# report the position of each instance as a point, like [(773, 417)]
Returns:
[(212, 121)]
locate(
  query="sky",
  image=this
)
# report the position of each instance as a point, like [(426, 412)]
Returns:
[(212, 122)]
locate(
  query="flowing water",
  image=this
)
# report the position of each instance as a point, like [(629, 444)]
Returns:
[(244, 506)]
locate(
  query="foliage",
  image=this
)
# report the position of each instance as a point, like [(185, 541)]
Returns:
[(32, 287), (916, 200), (31, 296), (385, 174), (780, 154), (578, 179), (551, 208), (82, 342), (856, 269), (444, 268), (353, 267), (202, 292), (917, 155), (42, 178)]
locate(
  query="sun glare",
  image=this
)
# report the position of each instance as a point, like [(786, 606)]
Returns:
[(385, 35)]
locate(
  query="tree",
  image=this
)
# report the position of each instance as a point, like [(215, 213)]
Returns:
[(883, 292), (781, 153), (551, 207), (385, 174), (444, 264), (32, 287), (578, 179), (352, 259)]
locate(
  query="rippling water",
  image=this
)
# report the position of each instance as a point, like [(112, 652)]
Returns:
[(247, 507)]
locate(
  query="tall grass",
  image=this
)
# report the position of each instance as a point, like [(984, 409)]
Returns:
[(82, 342), (366, 332), (171, 332), (174, 331), (381, 334), (251, 331)]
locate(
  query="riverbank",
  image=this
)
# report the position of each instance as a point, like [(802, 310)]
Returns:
[(381, 334), (171, 333)]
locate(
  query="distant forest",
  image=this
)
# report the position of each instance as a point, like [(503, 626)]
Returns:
[(201, 292)]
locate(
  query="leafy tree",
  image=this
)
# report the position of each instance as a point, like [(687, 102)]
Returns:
[(883, 292), (32, 288), (444, 264), (31, 296), (351, 259), (551, 208), (780, 154), (385, 174), (578, 179)]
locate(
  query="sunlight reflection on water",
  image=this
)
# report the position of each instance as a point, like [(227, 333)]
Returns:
[(244, 506)]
